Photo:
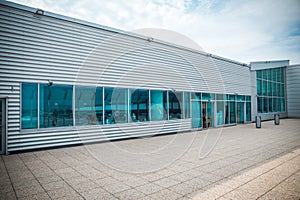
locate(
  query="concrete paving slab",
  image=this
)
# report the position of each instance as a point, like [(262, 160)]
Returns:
[(245, 163)]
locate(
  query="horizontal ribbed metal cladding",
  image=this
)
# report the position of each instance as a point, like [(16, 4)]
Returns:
[(293, 90), (41, 48)]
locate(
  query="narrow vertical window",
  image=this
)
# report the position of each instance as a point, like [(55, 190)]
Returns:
[(187, 105), (29, 105)]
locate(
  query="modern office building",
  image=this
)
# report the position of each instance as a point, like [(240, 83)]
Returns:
[(65, 81)]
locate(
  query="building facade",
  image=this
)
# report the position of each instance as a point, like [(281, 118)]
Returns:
[(65, 81)]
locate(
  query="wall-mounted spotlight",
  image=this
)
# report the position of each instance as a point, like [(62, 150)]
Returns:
[(150, 39), (39, 12), (50, 83)]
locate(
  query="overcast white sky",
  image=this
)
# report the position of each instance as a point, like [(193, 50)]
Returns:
[(237, 29)]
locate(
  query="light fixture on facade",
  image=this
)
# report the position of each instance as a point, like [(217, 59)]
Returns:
[(39, 12), (50, 83), (150, 39)]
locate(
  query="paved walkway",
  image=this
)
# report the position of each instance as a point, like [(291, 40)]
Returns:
[(239, 162)]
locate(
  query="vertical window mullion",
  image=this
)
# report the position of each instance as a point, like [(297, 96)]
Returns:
[(149, 105), (128, 105), (168, 106), (38, 106), (183, 105), (103, 106), (73, 105)]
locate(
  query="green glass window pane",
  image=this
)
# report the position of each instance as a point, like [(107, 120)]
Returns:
[(115, 105), (196, 95), (269, 88), (264, 88), (266, 105), (258, 74), (220, 112), (88, 105), (248, 111), (264, 74), (273, 75), (139, 105), (268, 74), (196, 114), (208, 96), (187, 105), (259, 87), (278, 94), (232, 97), (175, 105), (282, 90), (220, 96), (283, 106), (274, 89), (29, 105), (278, 75), (282, 75), (227, 121), (275, 104), (56, 105), (260, 105), (271, 105), (248, 98), (158, 104), (240, 112), (232, 112), (241, 98)]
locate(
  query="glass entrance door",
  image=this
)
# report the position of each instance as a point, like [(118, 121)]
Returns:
[(240, 112), (207, 114), (196, 114), (2, 126)]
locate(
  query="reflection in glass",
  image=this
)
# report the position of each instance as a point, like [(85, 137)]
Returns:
[(196, 114), (220, 112), (175, 105), (187, 105), (232, 112), (29, 105), (158, 105), (240, 112), (116, 105), (227, 121), (248, 111), (56, 105), (88, 105), (139, 105)]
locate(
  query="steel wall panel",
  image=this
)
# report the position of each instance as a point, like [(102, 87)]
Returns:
[(68, 51)]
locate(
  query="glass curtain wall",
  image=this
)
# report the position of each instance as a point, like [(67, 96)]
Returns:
[(98, 105), (270, 90)]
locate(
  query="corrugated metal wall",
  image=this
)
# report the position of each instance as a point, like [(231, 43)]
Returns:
[(293, 90), (67, 51)]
